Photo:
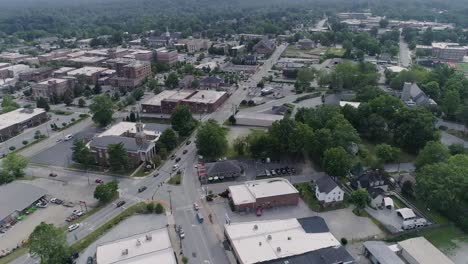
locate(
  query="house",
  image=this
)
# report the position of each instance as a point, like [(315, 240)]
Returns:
[(376, 197), (264, 46), (406, 213), (379, 253), (186, 82), (305, 44), (370, 179), (228, 169), (327, 191), (412, 95), (211, 82)]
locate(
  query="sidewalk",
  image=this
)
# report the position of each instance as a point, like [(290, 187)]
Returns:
[(174, 237)]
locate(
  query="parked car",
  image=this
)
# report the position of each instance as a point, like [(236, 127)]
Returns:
[(195, 206), (181, 233), (278, 171), (173, 157), (142, 189), (200, 217), (68, 137), (56, 201), (90, 260), (156, 174), (42, 204), (119, 204), (78, 212), (177, 159), (53, 174), (73, 227), (185, 151), (188, 142), (58, 140), (175, 167), (293, 171), (71, 218), (273, 172), (99, 181), (68, 204)]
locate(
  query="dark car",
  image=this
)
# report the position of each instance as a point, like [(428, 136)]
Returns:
[(156, 174), (278, 171), (99, 181), (52, 174), (185, 151), (178, 159), (283, 171), (120, 203), (90, 260), (142, 189), (188, 142), (173, 156), (293, 170)]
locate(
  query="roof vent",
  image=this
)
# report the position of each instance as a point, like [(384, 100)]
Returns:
[(269, 237), (260, 243), (138, 242), (125, 252), (289, 238), (149, 237), (278, 249), (255, 227)]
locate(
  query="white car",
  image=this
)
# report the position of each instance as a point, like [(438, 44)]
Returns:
[(73, 227), (78, 212), (68, 137)]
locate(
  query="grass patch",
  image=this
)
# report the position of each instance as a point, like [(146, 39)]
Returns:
[(334, 53), (397, 202), (81, 118), (61, 112), (30, 144), (433, 214), (14, 255), (308, 196), (176, 180), (404, 157), (141, 172)]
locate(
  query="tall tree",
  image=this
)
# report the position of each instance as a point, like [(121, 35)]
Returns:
[(387, 153), (42, 103), (169, 139), (172, 80), (337, 162), (97, 88), (211, 140), (68, 98), (105, 192), (49, 244), (182, 120), (9, 104), (118, 157), (81, 153), (360, 198), (102, 108), (433, 152), (13, 166)]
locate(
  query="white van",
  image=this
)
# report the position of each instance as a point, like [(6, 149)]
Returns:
[(68, 137)]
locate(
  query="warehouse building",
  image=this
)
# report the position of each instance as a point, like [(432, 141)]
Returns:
[(265, 193), (14, 122)]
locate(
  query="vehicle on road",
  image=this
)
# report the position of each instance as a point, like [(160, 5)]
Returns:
[(175, 167), (200, 217), (185, 151), (56, 201), (177, 159), (142, 189), (195, 206), (181, 233), (52, 174), (156, 174), (73, 227), (90, 260), (119, 204), (68, 137), (99, 181), (188, 142)]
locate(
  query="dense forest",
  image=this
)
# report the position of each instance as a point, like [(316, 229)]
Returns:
[(88, 18)]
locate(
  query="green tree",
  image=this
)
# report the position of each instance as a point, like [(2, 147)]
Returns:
[(239, 145), (42, 103), (118, 157), (383, 23), (97, 88), (433, 152), (387, 153), (81, 102), (150, 207), (138, 93), (14, 165), (211, 140), (132, 117), (159, 209), (68, 98), (451, 103), (49, 244), (337, 162), (107, 191), (360, 198), (182, 120), (81, 153), (432, 89), (9, 104), (172, 80), (169, 139), (102, 108)]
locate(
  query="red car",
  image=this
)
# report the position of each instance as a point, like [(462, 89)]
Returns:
[(99, 181)]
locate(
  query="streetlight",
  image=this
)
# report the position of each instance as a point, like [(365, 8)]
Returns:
[(170, 200)]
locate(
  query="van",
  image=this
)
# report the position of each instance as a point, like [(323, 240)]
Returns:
[(200, 217)]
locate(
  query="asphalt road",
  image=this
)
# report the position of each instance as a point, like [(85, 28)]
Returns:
[(405, 54)]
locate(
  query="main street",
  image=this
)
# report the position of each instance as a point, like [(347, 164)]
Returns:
[(201, 244)]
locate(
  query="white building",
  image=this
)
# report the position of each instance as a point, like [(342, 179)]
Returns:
[(327, 191), (420, 251), (151, 247)]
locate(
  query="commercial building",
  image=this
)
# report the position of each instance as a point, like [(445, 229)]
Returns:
[(61, 72), (199, 101), (44, 58), (306, 44), (130, 75), (139, 140), (166, 56), (445, 51), (219, 170), (251, 36), (14, 122), (13, 57), (264, 46), (150, 247), (194, 45), (53, 88), (90, 74), (211, 82), (265, 193), (15, 197), (293, 241), (36, 74), (165, 39), (86, 60), (379, 253)]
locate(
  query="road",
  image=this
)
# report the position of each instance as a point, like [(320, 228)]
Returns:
[(201, 244), (404, 58)]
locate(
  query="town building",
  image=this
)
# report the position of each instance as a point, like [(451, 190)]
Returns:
[(445, 51), (167, 56), (166, 39), (211, 82), (370, 179), (379, 253), (239, 69), (138, 139), (14, 122), (13, 57), (53, 88), (86, 60), (306, 44), (199, 101), (15, 198), (44, 58), (292, 241), (150, 247), (5, 71), (412, 96), (264, 46), (186, 82), (219, 170), (195, 45), (266, 193), (88, 73), (130, 75), (84, 43), (62, 72), (251, 36), (327, 191), (36, 74)]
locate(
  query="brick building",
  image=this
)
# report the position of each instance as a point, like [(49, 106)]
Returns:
[(165, 56), (36, 75), (265, 193), (90, 74), (52, 88), (199, 101), (130, 75), (14, 122)]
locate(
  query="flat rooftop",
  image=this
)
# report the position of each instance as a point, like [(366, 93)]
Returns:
[(18, 116), (17, 196), (206, 96), (260, 241), (423, 251), (145, 248), (250, 191), (87, 71), (86, 59), (167, 94), (64, 70), (57, 80), (127, 127)]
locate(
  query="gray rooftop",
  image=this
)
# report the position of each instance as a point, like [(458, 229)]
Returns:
[(17, 196), (223, 167), (325, 184), (329, 255), (382, 252), (313, 224)]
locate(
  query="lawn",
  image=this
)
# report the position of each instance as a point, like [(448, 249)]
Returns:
[(308, 196), (176, 180), (332, 52), (16, 254), (403, 158)]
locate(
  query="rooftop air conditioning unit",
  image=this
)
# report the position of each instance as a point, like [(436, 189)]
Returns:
[(149, 237), (269, 237), (138, 242), (125, 252), (278, 249), (255, 227)]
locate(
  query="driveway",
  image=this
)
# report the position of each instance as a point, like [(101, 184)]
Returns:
[(448, 139)]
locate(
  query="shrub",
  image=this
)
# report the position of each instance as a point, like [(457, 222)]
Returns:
[(159, 209), (184, 259), (25, 142), (150, 207), (83, 115), (73, 119), (64, 124), (12, 148), (344, 241)]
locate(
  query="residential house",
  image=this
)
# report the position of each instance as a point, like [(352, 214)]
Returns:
[(377, 196), (370, 179), (305, 44), (413, 95), (186, 82), (327, 191), (226, 169)]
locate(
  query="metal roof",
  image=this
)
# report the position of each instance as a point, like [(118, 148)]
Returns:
[(17, 196), (382, 252)]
